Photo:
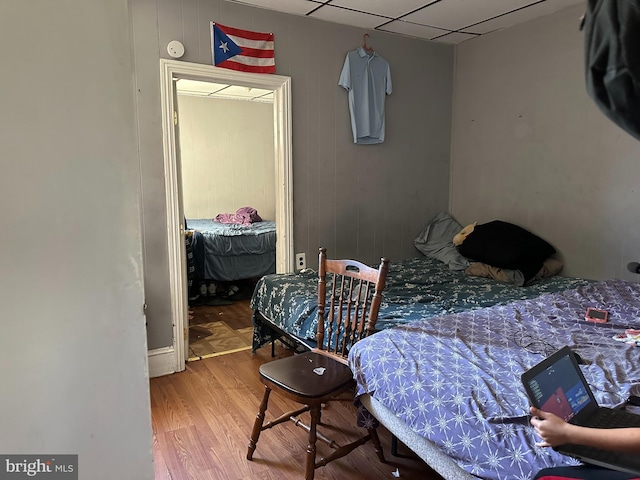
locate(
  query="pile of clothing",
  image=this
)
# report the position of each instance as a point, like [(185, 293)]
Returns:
[(243, 216)]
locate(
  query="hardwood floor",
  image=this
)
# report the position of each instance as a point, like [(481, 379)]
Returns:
[(202, 419)]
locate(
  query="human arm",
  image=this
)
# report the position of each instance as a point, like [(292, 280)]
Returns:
[(554, 431)]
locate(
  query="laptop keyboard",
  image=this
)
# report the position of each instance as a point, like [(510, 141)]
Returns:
[(605, 456), (610, 418)]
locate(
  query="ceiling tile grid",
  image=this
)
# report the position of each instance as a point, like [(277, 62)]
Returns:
[(387, 8), (348, 17), (196, 88), (458, 14), (445, 21)]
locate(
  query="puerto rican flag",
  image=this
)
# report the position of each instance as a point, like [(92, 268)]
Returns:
[(242, 49)]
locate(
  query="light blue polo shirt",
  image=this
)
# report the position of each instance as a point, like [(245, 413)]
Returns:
[(367, 78)]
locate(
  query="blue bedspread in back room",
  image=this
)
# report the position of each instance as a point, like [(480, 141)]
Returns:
[(228, 252)]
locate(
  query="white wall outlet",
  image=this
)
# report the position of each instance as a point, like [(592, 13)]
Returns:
[(301, 261)]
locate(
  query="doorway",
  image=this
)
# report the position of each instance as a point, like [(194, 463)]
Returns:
[(171, 72), (227, 163)]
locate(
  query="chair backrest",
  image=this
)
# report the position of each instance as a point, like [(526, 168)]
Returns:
[(349, 310)]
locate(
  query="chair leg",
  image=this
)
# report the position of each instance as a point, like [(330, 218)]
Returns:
[(375, 441), (257, 425), (311, 448)]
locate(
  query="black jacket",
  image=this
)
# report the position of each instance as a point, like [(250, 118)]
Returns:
[(612, 47)]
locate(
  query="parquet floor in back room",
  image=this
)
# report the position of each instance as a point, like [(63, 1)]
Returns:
[(220, 326)]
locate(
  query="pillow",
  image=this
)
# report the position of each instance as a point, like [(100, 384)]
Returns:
[(504, 245), (436, 241)]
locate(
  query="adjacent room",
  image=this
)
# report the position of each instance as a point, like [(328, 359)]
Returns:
[(227, 172)]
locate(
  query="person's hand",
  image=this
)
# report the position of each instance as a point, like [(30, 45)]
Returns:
[(552, 429)]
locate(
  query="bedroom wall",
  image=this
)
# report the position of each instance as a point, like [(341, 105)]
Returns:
[(72, 346), (227, 156), (530, 147), (361, 201)]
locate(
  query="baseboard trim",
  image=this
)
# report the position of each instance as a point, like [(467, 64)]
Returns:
[(162, 361)]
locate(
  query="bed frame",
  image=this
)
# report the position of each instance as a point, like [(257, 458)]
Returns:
[(422, 447)]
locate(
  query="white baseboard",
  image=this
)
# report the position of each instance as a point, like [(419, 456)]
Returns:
[(162, 361)]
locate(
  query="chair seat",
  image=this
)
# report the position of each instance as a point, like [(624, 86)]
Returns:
[(296, 374)]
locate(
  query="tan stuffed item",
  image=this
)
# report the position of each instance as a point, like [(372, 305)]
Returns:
[(480, 269), (459, 237), (550, 267)]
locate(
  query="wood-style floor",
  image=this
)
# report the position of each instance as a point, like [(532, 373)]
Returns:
[(218, 328), (202, 419)]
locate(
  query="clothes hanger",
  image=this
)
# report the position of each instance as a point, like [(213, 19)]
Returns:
[(364, 44)]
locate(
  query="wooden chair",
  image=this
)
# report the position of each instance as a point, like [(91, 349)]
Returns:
[(316, 377)]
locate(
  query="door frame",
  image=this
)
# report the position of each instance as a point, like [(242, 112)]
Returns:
[(170, 71)]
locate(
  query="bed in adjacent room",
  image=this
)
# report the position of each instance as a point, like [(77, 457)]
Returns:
[(228, 252), (449, 386)]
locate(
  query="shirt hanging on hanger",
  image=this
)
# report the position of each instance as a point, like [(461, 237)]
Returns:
[(367, 78)]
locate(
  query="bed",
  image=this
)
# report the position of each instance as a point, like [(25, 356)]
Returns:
[(285, 305), (229, 252), (505, 263), (449, 386)]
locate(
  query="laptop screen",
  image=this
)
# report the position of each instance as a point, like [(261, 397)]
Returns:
[(559, 389)]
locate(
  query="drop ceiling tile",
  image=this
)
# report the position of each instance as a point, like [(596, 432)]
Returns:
[(387, 8), (454, 38), (196, 87), (413, 29), (298, 7), (529, 13), (238, 91), (265, 98), (219, 90), (348, 17), (457, 14)]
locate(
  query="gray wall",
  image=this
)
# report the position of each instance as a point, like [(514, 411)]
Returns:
[(358, 201), (227, 156), (72, 347), (530, 147)]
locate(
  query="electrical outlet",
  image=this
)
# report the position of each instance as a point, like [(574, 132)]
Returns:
[(301, 261)]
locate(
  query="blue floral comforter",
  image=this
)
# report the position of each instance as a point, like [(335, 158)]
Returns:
[(416, 289)]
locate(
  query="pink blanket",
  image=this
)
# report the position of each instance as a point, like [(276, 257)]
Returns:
[(243, 216)]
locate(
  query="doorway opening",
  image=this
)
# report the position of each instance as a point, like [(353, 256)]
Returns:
[(172, 72), (226, 154)]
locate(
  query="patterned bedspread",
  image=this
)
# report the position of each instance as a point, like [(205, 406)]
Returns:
[(455, 379), (417, 288), (232, 239)]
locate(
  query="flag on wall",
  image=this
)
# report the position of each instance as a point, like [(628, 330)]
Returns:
[(242, 49)]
